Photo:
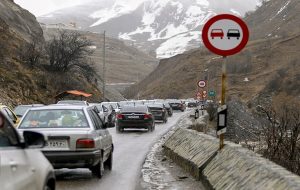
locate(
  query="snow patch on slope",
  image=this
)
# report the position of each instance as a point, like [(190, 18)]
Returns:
[(177, 44)]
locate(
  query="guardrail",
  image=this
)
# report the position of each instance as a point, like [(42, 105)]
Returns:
[(234, 167)]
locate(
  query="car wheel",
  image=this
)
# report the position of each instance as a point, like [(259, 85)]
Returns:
[(109, 162), (119, 129), (98, 170)]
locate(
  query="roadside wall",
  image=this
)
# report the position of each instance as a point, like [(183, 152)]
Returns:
[(232, 168)]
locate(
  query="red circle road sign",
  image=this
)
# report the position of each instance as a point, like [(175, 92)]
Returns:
[(202, 84), (225, 34)]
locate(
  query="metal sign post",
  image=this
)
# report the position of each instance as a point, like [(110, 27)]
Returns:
[(224, 35)]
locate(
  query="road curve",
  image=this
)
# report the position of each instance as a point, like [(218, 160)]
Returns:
[(131, 149)]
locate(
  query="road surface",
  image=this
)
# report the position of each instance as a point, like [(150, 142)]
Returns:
[(131, 149)]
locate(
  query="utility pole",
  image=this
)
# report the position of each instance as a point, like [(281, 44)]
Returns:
[(104, 66)]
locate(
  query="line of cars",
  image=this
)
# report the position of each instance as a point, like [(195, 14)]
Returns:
[(69, 134)]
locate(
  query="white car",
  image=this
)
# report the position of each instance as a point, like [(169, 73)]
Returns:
[(22, 164), (77, 137)]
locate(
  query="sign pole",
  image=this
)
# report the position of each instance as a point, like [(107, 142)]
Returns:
[(223, 96)]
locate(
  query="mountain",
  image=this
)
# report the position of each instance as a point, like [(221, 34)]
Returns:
[(267, 68), (163, 27), (124, 62)]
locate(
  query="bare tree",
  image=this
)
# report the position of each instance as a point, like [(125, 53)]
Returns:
[(31, 53), (70, 51), (280, 134)]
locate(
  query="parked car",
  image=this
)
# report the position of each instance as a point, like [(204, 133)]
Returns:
[(217, 33), (77, 137), (159, 112), (73, 102), (193, 104), (22, 109), (138, 117), (177, 105), (23, 166), (106, 113), (10, 114), (233, 33)]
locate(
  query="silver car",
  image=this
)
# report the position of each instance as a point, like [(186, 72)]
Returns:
[(22, 164), (77, 137)]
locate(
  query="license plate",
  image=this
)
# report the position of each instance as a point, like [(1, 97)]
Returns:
[(133, 117), (52, 144)]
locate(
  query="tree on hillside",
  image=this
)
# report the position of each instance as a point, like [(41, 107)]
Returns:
[(281, 133), (70, 51), (31, 53)]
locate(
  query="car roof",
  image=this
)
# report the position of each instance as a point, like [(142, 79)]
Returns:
[(59, 107), (155, 105)]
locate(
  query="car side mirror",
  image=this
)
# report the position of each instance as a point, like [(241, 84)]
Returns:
[(34, 139)]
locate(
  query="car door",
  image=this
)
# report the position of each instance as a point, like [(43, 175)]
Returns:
[(11, 115), (102, 132), (15, 170)]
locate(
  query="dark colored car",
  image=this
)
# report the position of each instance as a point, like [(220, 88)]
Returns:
[(233, 33), (22, 109), (138, 117), (193, 104), (177, 105), (159, 112)]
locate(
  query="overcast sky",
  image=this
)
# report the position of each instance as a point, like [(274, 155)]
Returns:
[(41, 7)]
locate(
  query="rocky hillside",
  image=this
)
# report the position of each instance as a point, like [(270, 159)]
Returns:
[(269, 66), (21, 83), (162, 27)]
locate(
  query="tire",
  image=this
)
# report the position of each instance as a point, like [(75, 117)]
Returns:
[(109, 162), (98, 170), (119, 129)]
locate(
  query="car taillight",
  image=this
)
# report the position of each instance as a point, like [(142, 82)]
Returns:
[(85, 143), (147, 116), (120, 116)]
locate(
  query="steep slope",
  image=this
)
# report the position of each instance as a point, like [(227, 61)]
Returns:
[(162, 27), (268, 66)]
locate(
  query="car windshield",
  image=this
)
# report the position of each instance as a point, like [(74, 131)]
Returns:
[(217, 30), (21, 110), (233, 31), (54, 119)]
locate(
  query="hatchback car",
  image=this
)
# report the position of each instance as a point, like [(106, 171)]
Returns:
[(77, 138), (23, 166), (138, 117)]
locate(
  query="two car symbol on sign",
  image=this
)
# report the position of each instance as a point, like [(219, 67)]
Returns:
[(232, 33)]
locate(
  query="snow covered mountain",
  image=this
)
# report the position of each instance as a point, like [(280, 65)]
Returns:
[(164, 27)]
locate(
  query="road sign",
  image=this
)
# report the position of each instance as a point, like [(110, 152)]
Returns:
[(202, 83), (212, 93), (225, 34), (222, 120)]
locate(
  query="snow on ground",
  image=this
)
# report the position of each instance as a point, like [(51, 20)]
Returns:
[(160, 173)]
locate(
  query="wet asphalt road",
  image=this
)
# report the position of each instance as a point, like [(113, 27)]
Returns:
[(131, 148)]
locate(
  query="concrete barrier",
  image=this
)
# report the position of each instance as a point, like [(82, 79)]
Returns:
[(232, 168)]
